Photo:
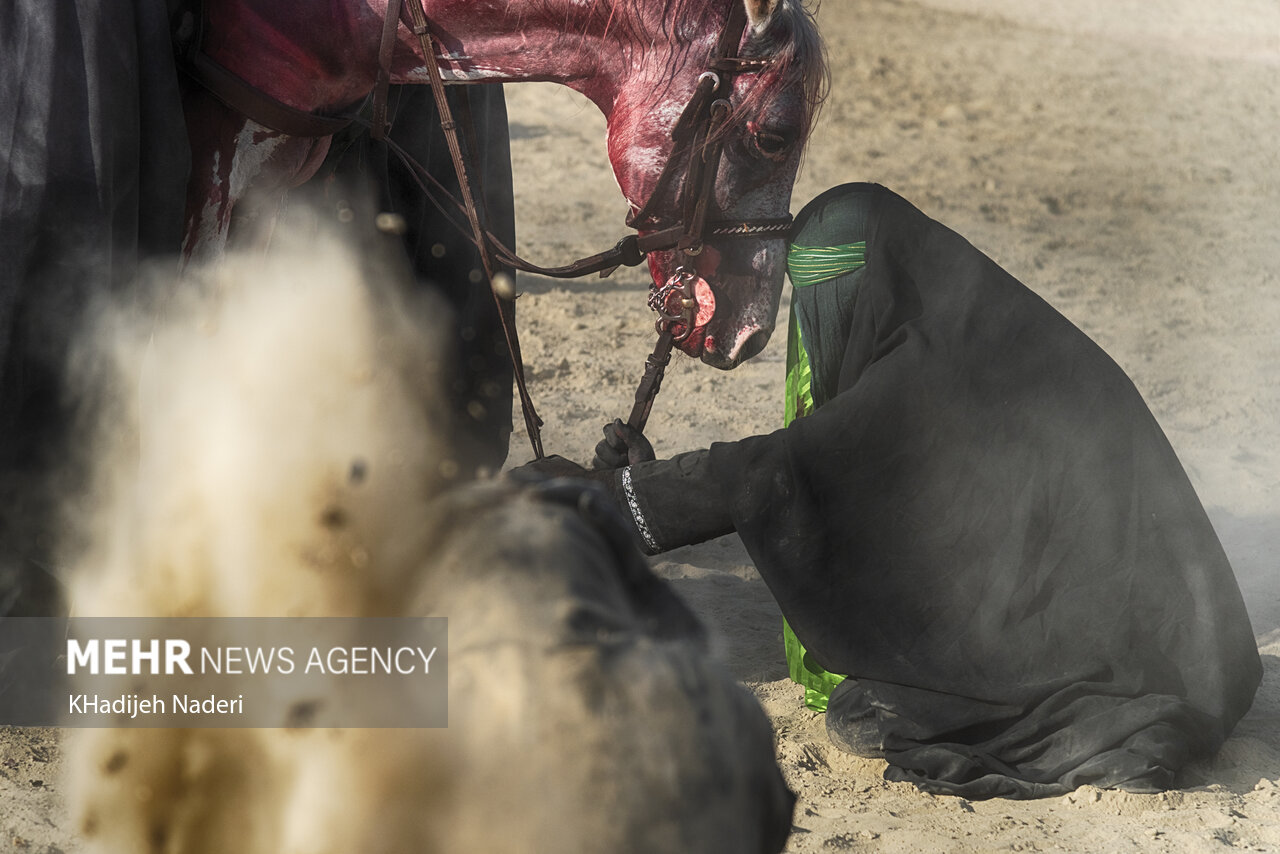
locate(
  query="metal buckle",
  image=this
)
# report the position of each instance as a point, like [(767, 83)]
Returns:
[(680, 282)]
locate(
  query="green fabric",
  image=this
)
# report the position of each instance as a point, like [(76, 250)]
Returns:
[(818, 683), (811, 265), (816, 266), (799, 375)]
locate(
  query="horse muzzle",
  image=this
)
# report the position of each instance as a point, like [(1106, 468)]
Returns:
[(719, 305)]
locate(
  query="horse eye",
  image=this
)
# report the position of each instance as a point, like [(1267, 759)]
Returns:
[(772, 145)]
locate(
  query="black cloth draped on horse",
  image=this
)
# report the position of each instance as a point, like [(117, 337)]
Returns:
[(982, 524), (93, 174), (443, 256)]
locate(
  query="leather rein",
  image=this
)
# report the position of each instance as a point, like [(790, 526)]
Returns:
[(698, 139)]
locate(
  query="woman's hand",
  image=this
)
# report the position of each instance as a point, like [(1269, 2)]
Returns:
[(622, 445)]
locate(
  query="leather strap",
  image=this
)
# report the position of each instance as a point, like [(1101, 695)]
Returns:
[(698, 139), (655, 367), (382, 84), (420, 28), (244, 98), (630, 251)]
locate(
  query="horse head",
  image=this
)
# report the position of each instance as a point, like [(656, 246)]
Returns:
[(641, 61), (774, 85)]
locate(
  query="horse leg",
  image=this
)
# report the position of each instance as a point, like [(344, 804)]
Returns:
[(234, 160), (361, 171)]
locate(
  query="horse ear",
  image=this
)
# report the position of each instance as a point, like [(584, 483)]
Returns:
[(758, 12)]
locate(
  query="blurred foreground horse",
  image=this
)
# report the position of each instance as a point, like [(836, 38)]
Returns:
[(585, 712)]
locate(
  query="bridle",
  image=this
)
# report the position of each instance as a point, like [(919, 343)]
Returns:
[(698, 142), (699, 135)]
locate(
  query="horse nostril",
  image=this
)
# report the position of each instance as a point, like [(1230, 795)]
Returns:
[(749, 342)]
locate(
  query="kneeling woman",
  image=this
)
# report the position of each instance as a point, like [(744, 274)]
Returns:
[(980, 522)]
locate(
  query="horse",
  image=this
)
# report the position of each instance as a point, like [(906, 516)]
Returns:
[(642, 62)]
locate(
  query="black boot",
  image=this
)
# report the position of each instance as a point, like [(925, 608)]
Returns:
[(851, 721)]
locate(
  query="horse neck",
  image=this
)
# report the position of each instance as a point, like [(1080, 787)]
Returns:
[(317, 56), (598, 47)]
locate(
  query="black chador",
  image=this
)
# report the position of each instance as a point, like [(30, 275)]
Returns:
[(980, 523)]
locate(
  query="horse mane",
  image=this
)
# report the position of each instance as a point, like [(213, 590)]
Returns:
[(791, 39), (793, 42)]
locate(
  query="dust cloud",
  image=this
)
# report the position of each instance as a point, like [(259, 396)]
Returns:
[(260, 424)]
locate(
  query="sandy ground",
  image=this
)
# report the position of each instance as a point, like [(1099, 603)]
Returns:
[(1118, 157)]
